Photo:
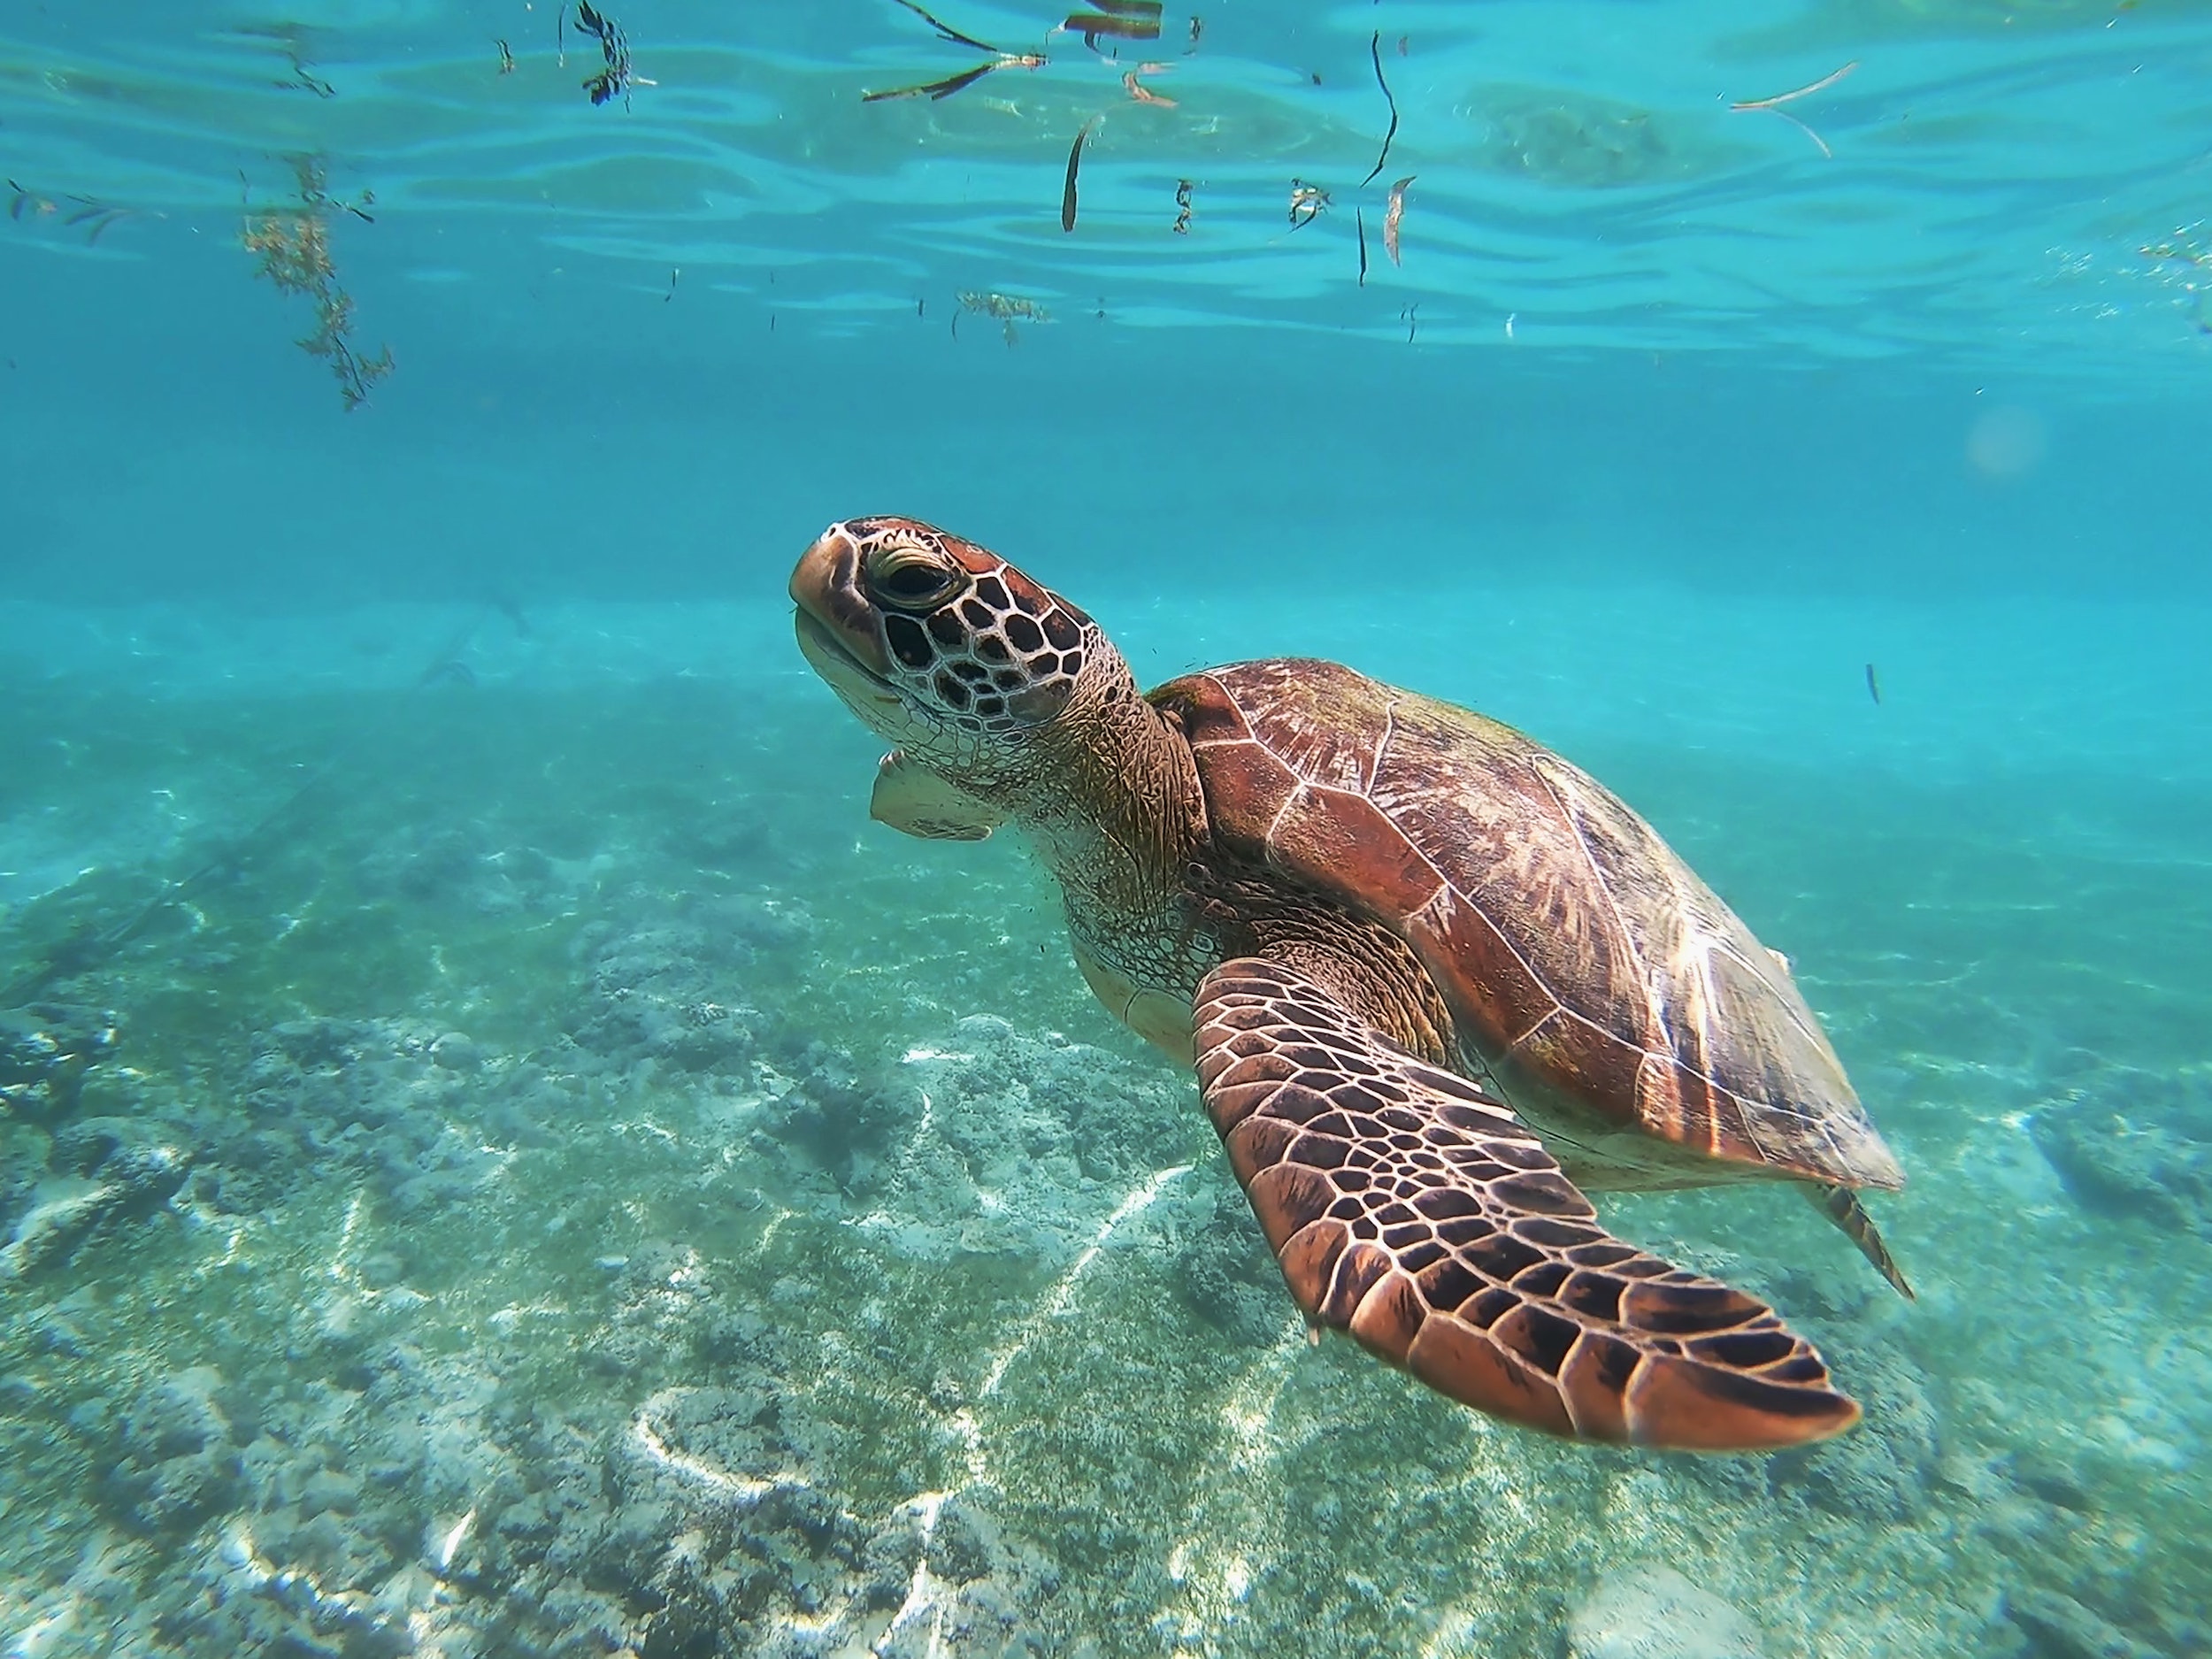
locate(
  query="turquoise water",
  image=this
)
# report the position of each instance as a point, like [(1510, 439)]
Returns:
[(498, 1153)]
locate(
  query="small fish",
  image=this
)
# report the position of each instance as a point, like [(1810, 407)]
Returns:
[(1197, 28), (1182, 207), (1395, 215), (921, 310), (506, 58), (1403, 47), (1873, 686), (1411, 318), (1359, 219), (673, 272), (1307, 202), (1067, 191)]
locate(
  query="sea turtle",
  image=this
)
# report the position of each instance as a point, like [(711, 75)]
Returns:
[(1427, 971)]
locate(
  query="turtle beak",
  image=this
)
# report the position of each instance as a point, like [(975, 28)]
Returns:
[(836, 624)]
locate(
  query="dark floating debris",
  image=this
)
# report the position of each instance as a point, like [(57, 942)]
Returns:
[(506, 58), (290, 40), (95, 214), (1374, 50), (1395, 216), (293, 245), (1359, 219), (1307, 202), (615, 77), (1183, 187), (1008, 308), (1773, 105), (1873, 686), (1067, 190), (1119, 20), (938, 90)]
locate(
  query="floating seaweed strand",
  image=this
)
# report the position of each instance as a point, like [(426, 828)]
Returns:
[(1773, 105), (1006, 307), (939, 90), (1395, 215), (1374, 50), (1075, 160), (98, 215), (293, 246), (615, 79)]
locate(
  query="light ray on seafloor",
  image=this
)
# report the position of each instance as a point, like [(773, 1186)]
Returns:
[(744, 1489), (1056, 1299)]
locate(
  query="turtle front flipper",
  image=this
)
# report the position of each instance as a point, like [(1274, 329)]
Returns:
[(915, 801), (1408, 1207)]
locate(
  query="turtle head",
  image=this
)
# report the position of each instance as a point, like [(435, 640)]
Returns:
[(945, 648)]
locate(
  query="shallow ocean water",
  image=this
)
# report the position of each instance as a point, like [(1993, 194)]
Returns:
[(556, 1177)]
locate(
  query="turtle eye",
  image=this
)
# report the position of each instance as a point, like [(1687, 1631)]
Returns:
[(908, 578)]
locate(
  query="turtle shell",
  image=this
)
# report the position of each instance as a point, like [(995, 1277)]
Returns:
[(1593, 977)]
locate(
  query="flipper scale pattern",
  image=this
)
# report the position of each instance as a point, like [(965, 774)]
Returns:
[(1411, 1210)]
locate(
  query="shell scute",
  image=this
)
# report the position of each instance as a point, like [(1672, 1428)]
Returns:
[(1585, 965)]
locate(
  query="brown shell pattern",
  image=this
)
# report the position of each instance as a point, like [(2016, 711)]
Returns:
[(1583, 958)]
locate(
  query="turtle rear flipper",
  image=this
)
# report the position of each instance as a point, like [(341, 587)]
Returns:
[(1841, 1206), (1408, 1207)]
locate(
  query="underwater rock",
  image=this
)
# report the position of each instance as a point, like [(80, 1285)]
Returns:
[(841, 1122), (2059, 1627), (45, 1051), (1230, 1279), (176, 1457), (671, 992), (1655, 1613), (124, 1182), (378, 1098), (2149, 1156), (462, 867)]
